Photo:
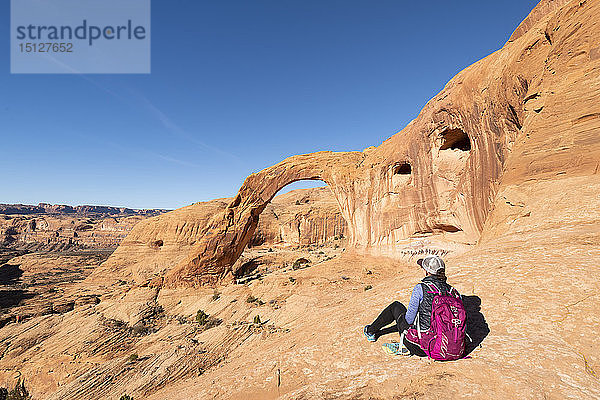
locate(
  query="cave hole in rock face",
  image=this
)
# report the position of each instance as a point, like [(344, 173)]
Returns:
[(455, 139), (401, 174), (402, 169), (447, 228), (247, 268)]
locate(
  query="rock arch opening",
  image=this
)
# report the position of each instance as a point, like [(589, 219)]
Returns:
[(215, 257), (455, 139), (302, 223)]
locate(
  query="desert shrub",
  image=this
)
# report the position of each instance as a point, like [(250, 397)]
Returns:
[(368, 287), (216, 295), (255, 300), (126, 397), (300, 263), (201, 317), (257, 319), (19, 392), (206, 321), (133, 357), (139, 330), (11, 231)]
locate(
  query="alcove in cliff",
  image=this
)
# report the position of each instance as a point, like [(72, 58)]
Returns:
[(455, 139), (401, 174)]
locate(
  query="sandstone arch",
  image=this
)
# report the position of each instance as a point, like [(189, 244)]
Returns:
[(228, 233)]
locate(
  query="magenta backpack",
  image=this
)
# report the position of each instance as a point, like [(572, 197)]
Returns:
[(445, 338)]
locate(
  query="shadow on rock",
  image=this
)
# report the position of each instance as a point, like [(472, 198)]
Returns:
[(10, 274), (477, 328), (11, 295), (12, 298)]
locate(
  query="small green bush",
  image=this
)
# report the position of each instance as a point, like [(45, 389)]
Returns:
[(257, 319), (201, 317), (133, 357), (255, 300), (300, 263), (368, 287), (139, 330), (126, 397), (216, 295)]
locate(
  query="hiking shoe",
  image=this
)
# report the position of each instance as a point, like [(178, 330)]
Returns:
[(395, 349), (370, 336)]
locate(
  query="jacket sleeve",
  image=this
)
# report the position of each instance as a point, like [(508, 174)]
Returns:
[(413, 305)]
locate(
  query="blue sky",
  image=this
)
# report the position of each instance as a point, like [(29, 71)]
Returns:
[(235, 86)]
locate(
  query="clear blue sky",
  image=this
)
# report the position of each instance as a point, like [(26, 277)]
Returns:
[(235, 87)]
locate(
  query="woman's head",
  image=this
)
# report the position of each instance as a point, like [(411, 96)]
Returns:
[(433, 265)]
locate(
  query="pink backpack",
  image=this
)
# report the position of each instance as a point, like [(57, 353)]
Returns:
[(445, 338)]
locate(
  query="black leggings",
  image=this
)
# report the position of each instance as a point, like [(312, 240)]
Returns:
[(395, 312)]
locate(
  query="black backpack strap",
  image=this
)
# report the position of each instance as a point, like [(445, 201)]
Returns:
[(429, 285)]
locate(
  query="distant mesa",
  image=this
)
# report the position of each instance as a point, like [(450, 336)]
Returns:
[(50, 227), (45, 208)]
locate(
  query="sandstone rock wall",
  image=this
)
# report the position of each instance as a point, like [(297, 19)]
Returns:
[(300, 217)]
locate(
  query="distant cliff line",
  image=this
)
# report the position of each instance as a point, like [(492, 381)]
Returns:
[(82, 210)]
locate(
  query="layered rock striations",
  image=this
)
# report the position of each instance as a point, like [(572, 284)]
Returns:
[(84, 211)]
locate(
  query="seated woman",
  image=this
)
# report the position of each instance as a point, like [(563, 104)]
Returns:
[(418, 337)]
